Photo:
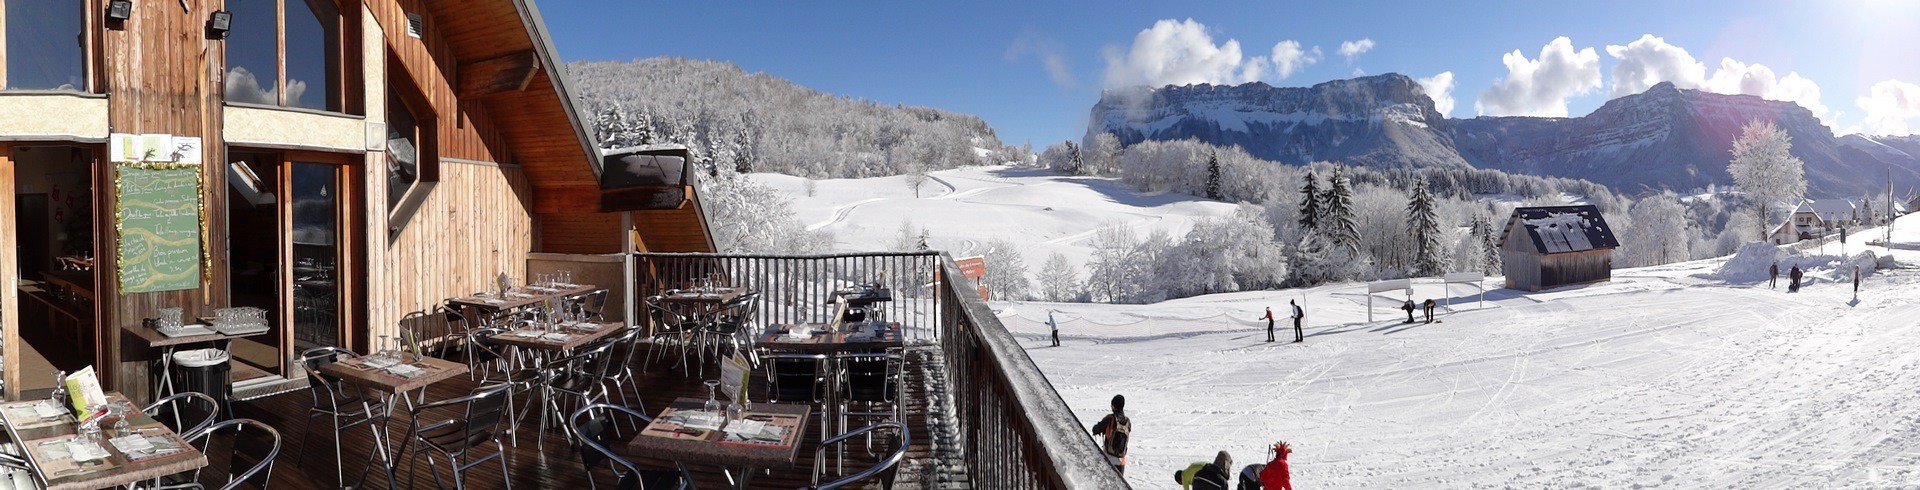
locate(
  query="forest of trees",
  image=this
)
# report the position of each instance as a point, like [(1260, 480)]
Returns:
[(755, 122)]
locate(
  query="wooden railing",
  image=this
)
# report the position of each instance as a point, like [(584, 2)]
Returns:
[(1014, 429)]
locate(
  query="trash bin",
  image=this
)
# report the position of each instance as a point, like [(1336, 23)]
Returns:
[(207, 371)]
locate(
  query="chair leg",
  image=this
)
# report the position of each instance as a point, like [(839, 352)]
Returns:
[(339, 469), (506, 477)]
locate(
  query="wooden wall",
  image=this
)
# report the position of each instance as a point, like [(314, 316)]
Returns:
[(9, 280), (596, 233), (1529, 270), (177, 96), (474, 226), (466, 132)]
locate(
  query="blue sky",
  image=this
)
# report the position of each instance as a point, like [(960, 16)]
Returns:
[(1034, 69)]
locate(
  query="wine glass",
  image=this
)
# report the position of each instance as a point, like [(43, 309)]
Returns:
[(713, 404), (118, 410), (733, 409), (383, 350)]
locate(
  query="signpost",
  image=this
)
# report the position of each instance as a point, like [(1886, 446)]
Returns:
[(1387, 285), (1474, 278)]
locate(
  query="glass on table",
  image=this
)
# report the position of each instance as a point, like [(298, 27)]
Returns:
[(713, 403), (118, 410)]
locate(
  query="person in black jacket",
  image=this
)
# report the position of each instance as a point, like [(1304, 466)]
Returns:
[(1409, 307), (1216, 476), (1114, 430)]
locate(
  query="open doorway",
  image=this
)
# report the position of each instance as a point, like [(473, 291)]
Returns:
[(284, 217), (53, 234)]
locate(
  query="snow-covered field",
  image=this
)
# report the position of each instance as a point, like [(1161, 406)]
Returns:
[(1660, 378), (1678, 376)]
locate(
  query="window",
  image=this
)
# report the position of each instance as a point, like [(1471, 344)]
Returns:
[(45, 45), (403, 149), (311, 53)]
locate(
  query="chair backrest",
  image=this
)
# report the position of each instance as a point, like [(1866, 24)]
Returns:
[(795, 377), (873, 377), (664, 319), (595, 433), (182, 407), (254, 448), (595, 302), (885, 468), (484, 407), (325, 388)]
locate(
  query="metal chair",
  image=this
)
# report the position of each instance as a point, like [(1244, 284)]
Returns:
[(872, 380), (520, 380), (431, 333), (589, 305), (181, 404), (581, 376), (730, 326), (456, 438), (885, 469), (596, 433), (625, 344), (255, 446), (669, 327), (335, 399), (799, 378)]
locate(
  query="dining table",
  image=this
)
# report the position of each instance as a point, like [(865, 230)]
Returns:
[(519, 297), (61, 457), (767, 436), (393, 377)]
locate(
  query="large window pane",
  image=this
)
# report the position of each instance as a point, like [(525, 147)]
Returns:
[(313, 56), (316, 252), (403, 149), (44, 45), (253, 60)]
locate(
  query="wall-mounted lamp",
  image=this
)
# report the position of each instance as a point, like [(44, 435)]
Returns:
[(219, 24), (119, 10)]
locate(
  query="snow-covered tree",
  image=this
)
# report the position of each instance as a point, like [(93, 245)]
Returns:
[(916, 178), (1764, 167), (1059, 281), (1659, 234), (1233, 253), (754, 218), (1486, 246), (1310, 204), (1006, 271), (1064, 157), (1424, 226), (1102, 154), (908, 238), (1213, 175), (1338, 222)]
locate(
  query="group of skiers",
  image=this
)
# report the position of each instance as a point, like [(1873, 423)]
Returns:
[(1115, 429), (1299, 316), (1428, 307), (1794, 275)]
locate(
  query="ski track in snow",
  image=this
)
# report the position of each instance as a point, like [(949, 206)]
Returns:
[(1657, 379)]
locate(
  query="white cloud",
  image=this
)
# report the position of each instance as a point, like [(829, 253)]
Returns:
[(1350, 49), (1290, 59), (1050, 54), (1893, 108), (1540, 87), (1179, 53), (1650, 60), (1440, 89)]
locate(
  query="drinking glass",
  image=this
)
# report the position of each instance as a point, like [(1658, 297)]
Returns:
[(566, 277), (383, 350), (713, 404), (118, 410), (733, 410)]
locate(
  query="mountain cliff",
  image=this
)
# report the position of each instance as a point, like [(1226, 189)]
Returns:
[(1664, 138)]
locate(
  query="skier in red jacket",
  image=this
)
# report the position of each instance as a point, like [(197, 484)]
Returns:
[(1276, 476)]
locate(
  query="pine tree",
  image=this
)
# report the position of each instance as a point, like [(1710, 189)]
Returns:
[(1339, 227), (1076, 161), (1213, 175), (743, 145), (1489, 250), (1424, 226), (1310, 204)]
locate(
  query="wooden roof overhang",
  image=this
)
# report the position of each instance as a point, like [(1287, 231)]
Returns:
[(507, 62)]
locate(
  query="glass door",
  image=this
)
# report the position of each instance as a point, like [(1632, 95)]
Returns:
[(316, 254), (294, 274)]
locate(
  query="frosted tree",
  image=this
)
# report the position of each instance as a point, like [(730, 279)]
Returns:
[(744, 154), (1764, 167), (1338, 223), (1213, 175), (1233, 253), (1486, 256), (1310, 204), (1659, 234), (1063, 157), (908, 238), (1428, 258), (916, 175), (754, 218), (1102, 154), (1006, 271), (1059, 281)]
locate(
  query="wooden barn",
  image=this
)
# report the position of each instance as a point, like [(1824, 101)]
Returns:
[(1551, 246), (336, 163)]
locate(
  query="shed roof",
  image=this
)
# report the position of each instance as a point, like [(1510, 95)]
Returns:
[(1558, 229), (1827, 209)]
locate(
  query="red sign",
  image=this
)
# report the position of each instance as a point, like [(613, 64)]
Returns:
[(974, 268)]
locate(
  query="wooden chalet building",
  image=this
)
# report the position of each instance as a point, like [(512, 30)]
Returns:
[(1547, 247), (336, 163)]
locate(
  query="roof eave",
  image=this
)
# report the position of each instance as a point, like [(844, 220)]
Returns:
[(557, 73)]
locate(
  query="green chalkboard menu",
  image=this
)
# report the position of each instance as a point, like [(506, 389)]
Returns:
[(159, 224)]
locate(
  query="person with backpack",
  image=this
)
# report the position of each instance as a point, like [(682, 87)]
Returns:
[(1299, 316), (1269, 319), (1185, 477), (1217, 475), (1276, 476), (1793, 275), (1250, 477), (1114, 430)]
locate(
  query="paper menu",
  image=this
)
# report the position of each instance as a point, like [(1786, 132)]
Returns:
[(84, 389), (734, 373)]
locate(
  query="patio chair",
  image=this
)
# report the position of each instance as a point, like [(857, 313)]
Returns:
[(580, 377), (335, 399), (625, 344), (520, 380), (871, 386), (251, 454), (596, 434), (182, 408), (431, 333), (457, 438), (885, 469), (669, 328), (731, 327), (798, 378), (589, 305)]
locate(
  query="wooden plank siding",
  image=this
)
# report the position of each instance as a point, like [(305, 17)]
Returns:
[(9, 278), (586, 233), (466, 131), (178, 97), (1529, 270)]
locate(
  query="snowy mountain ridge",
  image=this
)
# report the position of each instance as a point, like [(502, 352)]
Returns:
[(1664, 138)]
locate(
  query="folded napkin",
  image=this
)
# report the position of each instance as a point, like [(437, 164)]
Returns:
[(81, 450), (589, 326), (47, 410), (556, 336), (134, 443), (492, 301), (698, 419), (378, 361), (405, 370)]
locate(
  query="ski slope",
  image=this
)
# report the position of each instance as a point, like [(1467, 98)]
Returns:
[(1659, 378), (965, 208)]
